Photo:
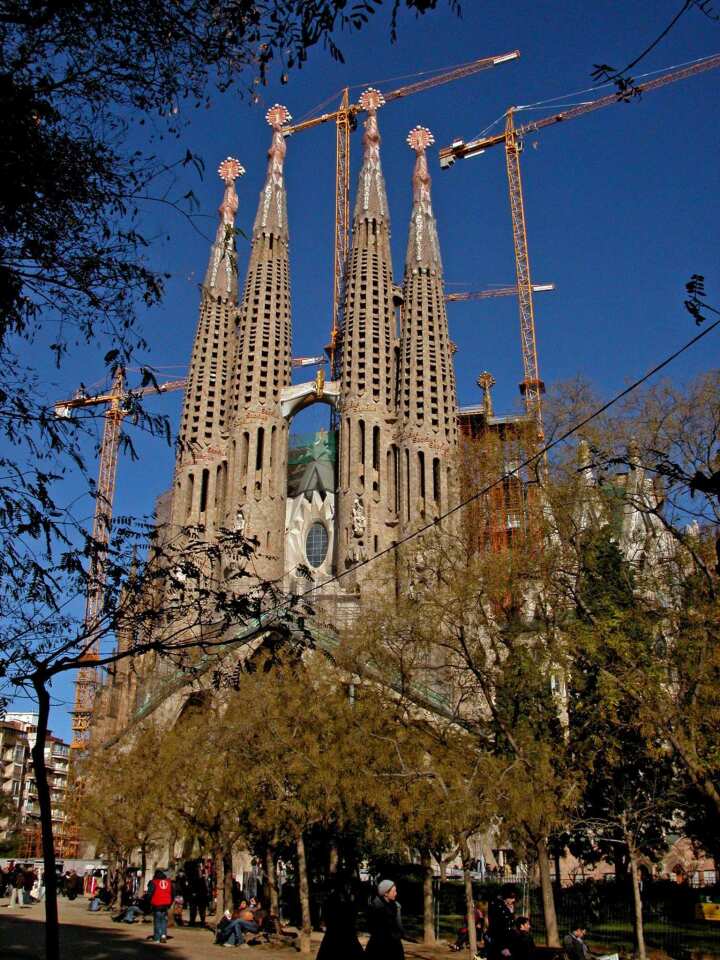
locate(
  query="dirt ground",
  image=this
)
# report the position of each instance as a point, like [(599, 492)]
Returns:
[(93, 936)]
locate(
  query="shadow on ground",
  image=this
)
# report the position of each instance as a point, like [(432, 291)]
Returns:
[(23, 938)]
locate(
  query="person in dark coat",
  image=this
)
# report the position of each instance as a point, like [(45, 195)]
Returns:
[(501, 923), (385, 925), (574, 944), (197, 892), (522, 945), (340, 941)]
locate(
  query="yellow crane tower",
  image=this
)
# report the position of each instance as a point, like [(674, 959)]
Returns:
[(116, 409), (512, 138), (344, 118)]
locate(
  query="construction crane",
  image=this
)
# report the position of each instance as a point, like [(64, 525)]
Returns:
[(308, 361), (116, 408), (512, 137), (495, 292), (344, 118)]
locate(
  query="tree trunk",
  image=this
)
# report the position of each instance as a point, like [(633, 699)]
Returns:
[(273, 893), (469, 900), (428, 912), (227, 877), (304, 892), (637, 906), (552, 937), (219, 864), (143, 863), (52, 926)]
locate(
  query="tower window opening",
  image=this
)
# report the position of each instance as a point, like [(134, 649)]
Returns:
[(205, 483), (190, 489), (421, 471), (259, 449), (436, 479), (361, 442)]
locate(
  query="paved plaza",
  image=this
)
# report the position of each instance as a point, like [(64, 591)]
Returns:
[(93, 936)]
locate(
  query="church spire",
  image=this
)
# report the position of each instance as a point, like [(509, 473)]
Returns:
[(367, 489), (261, 369), (423, 250), (221, 276), (371, 202), (426, 400), (271, 218)]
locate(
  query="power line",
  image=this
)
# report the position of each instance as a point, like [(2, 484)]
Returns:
[(514, 472)]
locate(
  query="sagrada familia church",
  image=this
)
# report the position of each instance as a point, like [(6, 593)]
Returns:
[(389, 466), (393, 393)]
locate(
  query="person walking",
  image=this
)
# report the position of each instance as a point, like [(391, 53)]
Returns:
[(340, 941), (501, 923), (160, 894), (17, 882), (197, 893), (522, 945), (384, 921)]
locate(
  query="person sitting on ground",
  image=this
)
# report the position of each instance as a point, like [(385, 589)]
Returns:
[(232, 928), (522, 945), (574, 944), (129, 914)]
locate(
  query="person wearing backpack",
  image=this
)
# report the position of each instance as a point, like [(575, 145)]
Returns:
[(160, 893)]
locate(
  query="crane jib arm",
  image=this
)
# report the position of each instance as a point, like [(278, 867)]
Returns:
[(460, 150)]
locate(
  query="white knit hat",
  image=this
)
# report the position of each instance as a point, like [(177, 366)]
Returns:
[(385, 886)]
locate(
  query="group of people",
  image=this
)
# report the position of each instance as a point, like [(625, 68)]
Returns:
[(505, 936), (22, 883)]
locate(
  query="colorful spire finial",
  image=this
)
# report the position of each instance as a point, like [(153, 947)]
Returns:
[(230, 169), (277, 116), (371, 100), (419, 139)]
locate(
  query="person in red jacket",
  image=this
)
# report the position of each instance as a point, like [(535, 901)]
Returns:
[(160, 894)]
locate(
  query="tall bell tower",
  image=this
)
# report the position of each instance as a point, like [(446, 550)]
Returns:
[(426, 396), (261, 369), (367, 514), (201, 468)]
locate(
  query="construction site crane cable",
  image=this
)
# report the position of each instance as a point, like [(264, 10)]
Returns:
[(512, 138), (344, 118)]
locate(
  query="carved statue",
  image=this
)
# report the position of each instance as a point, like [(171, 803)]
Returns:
[(358, 518), (240, 522)]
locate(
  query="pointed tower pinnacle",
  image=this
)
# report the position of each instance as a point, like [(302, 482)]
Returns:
[(271, 216), (371, 202), (367, 510), (426, 401), (423, 248), (221, 276), (200, 470), (261, 368)]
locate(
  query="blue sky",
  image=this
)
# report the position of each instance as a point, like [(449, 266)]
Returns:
[(621, 205)]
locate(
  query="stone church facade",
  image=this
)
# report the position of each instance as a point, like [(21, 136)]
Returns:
[(393, 392)]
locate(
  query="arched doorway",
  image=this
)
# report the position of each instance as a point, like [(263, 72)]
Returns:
[(312, 472)]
